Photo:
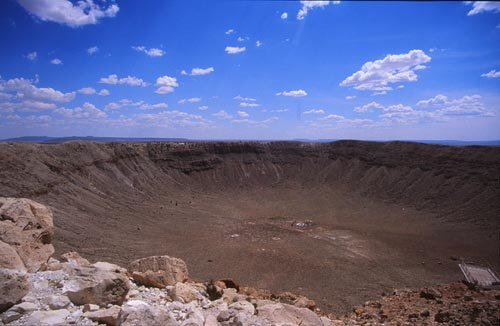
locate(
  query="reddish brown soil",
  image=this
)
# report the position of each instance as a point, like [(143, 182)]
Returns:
[(384, 215)]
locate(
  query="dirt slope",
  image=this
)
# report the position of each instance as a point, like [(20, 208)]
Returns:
[(384, 215)]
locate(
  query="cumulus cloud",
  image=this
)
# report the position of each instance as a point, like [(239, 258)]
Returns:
[(229, 31), (249, 105), (129, 103), (393, 68), (203, 108), (56, 61), (31, 56), (284, 15), (166, 84), (103, 92), (491, 74), (172, 119), (189, 100), (129, 80), (86, 111), (234, 49), (260, 123), (438, 108), (258, 43), (483, 6), (24, 89), (92, 50), (243, 114), (245, 99), (198, 71), (350, 97), (87, 90), (68, 13), (466, 105), (222, 115), (279, 110), (242, 39), (146, 106), (295, 93), (315, 111), (151, 52), (308, 5)]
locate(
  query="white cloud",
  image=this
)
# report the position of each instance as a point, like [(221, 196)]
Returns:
[(172, 119), (26, 106), (333, 117), (245, 99), (234, 49), (229, 31), (393, 68), (249, 105), (56, 61), (146, 106), (492, 74), (308, 5), (166, 84), (259, 123), (24, 89), (295, 93), (350, 97), (200, 71), (315, 111), (87, 90), (92, 50), (103, 92), (65, 12), (483, 6), (466, 105), (86, 111), (222, 115), (151, 52), (189, 100), (243, 114), (31, 56), (258, 43), (184, 72), (242, 39), (203, 108), (140, 104), (129, 80), (279, 110), (284, 15), (374, 105)]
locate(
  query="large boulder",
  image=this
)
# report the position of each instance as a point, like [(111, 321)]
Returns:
[(46, 318), (14, 286), (27, 227), (105, 316), (281, 313), (96, 284), (184, 293), (158, 271), (138, 313)]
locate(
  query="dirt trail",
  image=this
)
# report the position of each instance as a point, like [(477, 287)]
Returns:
[(384, 215)]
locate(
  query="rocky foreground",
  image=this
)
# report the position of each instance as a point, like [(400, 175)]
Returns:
[(37, 289)]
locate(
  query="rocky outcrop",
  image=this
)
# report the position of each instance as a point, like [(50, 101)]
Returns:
[(158, 271), (26, 237), (93, 284), (287, 314), (13, 287)]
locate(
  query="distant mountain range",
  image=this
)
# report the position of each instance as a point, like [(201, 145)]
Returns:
[(45, 139)]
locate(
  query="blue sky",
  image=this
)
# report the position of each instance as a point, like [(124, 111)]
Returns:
[(250, 69)]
